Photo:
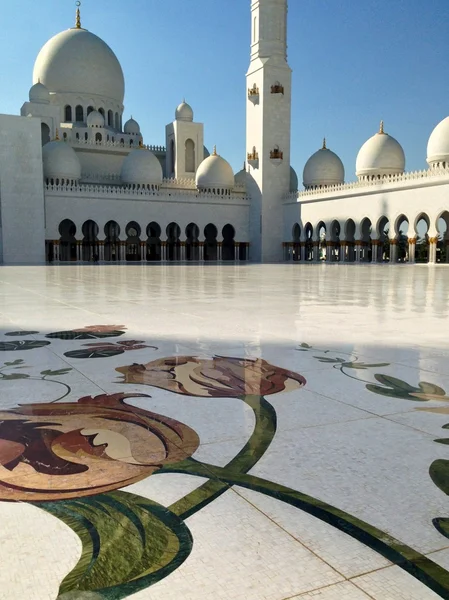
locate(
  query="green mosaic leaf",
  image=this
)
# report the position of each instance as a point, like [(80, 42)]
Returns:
[(14, 363), (129, 543), (84, 335), (324, 359), (57, 372), (94, 353), (19, 333), (22, 345), (15, 376), (395, 383), (442, 526), (392, 393), (439, 472)]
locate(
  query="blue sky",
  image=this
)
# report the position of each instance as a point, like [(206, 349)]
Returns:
[(354, 62)]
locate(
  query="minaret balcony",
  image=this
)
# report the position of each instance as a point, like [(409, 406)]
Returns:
[(276, 157), (253, 94), (253, 158)]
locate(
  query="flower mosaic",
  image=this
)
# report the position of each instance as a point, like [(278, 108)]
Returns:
[(74, 459)]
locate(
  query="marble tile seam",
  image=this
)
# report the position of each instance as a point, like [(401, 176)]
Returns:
[(327, 587)]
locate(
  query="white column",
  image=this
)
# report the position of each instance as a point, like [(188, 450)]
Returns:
[(358, 251), (329, 249), (316, 251), (411, 250), (374, 250), (101, 251), (219, 251), (236, 251), (79, 251), (56, 251), (393, 251), (303, 251), (183, 251), (123, 252), (201, 251), (163, 252), (433, 241), (142, 251)]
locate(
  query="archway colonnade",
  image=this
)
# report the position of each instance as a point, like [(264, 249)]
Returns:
[(416, 239), (148, 244)]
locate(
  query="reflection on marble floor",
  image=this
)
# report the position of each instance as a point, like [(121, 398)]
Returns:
[(254, 432)]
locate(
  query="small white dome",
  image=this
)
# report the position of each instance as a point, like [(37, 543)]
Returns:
[(215, 173), (132, 127), (184, 112), (241, 177), (323, 168), (77, 62), (60, 161), (141, 167), (95, 119), (294, 182), (39, 94), (380, 155), (438, 146)]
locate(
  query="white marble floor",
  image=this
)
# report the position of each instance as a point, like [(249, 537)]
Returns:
[(339, 379)]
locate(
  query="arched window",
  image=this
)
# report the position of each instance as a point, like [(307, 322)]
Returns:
[(86, 136), (68, 114), (79, 114), (101, 111), (110, 118), (131, 142), (117, 122), (173, 157), (45, 133), (190, 156), (89, 110), (98, 137), (64, 135), (77, 136)]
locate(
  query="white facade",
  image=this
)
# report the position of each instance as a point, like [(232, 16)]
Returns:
[(96, 192)]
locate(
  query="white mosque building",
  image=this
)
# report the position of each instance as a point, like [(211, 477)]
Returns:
[(77, 184)]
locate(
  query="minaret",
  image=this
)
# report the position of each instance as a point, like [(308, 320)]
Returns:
[(268, 127)]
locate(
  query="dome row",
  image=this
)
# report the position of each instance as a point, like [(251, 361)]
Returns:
[(380, 156)]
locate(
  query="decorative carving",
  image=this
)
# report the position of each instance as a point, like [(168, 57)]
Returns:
[(277, 88), (254, 155), (276, 154), (254, 91)]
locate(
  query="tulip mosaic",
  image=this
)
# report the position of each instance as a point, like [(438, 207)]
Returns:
[(73, 459)]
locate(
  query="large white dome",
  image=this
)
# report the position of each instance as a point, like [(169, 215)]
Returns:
[(39, 94), (323, 168), (438, 146), (60, 161), (132, 127), (215, 173), (78, 62), (380, 155), (141, 167)]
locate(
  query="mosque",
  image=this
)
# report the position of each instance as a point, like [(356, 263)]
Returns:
[(78, 184)]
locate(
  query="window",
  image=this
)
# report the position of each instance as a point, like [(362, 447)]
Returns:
[(110, 118), (68, 114), (98, 137), (190, 156), (79, 114)]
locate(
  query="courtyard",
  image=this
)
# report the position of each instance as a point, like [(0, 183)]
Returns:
[(253, 432)]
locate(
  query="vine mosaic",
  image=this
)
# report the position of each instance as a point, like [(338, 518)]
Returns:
[(79, 455)]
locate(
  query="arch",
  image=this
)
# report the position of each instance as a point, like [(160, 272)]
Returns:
[(210, 242), (154, 245), (89, 110), (421, 227), (295, 246), (90, 241), (98, 137), (401, 229), (173, 232), (349, 231), (442, 226), (190, 156), (112, 241), (64, 135), (228, 244), (45, 133), (335, 231), (68, 114), (79, 114), (110, 118), (117, 121), (133, 231), (192, 244), (86, 136), (67, 241), (322, 241), (366, 228), (308, 230), (102, 113)]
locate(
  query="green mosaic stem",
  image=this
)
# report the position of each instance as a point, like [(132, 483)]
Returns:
[(413, 562), (249, 455)]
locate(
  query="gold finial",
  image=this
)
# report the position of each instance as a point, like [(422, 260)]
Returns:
[(214, 153), (57, 135), (381, 128), (324, 144), (78, 15)]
